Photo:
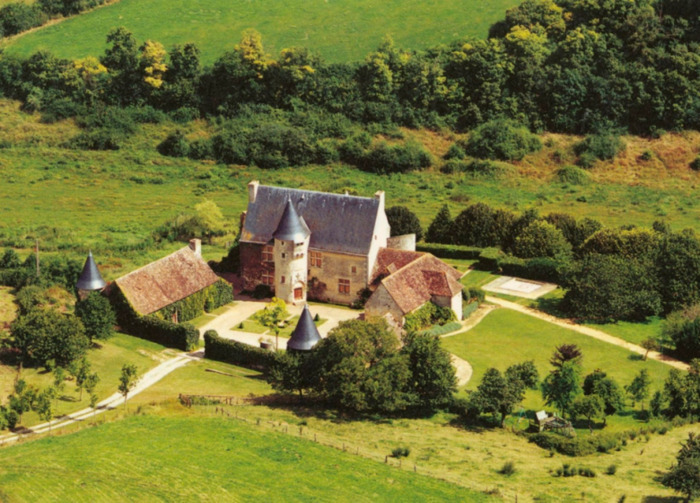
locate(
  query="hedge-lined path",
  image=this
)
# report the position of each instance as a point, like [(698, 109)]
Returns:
[(591, 332), (244, 309), (145, 381)]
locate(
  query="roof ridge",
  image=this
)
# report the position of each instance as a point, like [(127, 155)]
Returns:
[(334, 194), (154, 262), (411, 263)]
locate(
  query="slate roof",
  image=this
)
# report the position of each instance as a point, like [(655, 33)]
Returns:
[(420, 280), (90, 278), (305, 335), (338, 223), (291, 226), (166, 281)]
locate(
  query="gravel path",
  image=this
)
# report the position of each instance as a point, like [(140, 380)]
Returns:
[(591, 332)]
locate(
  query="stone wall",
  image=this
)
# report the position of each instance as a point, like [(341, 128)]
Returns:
[(323, 281), (381, 303), (252, 266)]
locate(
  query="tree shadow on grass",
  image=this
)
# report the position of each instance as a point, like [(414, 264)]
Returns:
[(662, 499), (550, 306)]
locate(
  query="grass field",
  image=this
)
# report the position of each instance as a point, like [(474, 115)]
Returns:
[(342, 30), (187, 458), (438, 446)]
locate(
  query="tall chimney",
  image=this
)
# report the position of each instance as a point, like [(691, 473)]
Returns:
[(380, 196), (253, 190), (196, 247)]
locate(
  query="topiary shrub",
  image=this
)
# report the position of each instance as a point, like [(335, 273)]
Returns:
[(501, 139)]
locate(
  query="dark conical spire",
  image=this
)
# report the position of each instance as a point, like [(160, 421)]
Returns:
[(90, 278), (291, 226), (305, 335)]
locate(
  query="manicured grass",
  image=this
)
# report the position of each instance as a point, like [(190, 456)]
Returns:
[(252, 326), (343, 30), (632, 332), (506, 337), (189, 458), (477, 279), (107, 361)]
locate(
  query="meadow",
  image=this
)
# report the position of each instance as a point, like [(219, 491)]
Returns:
[(340, 31), (183, 458), (111, 202)]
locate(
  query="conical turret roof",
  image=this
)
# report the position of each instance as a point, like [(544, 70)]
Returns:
[(291, 226), (305, 335), (90, 278)]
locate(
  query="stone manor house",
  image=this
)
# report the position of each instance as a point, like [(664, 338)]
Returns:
[(334, 247)]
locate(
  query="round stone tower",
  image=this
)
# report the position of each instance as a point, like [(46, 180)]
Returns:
[(290, 251)]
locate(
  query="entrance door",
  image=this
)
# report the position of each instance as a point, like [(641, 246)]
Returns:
[(298, 294)]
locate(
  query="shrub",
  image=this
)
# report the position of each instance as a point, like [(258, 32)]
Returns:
[(201, 149), (572, 175), (611, 470), (586, 472), (100, 139), (236, 353), (695, 165), (501, 139), (384, 158), (18, 17), (508, 468), (175, 145), (473, 294), (487, 169), (262, 292), (601, 146), (454, 152), (400, 452), (427, 315)]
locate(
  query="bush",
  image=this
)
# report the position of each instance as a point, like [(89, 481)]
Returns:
[(19, 16), (100, 139), (181, 336), (501, 139), (486, 169), (400, 452), (454, 152), (611, 470), (175, 145), (508, 468), (572, 175), (427, 315), (236, 353), (472, 294), (601, 146), (384, 158), (695, 165), (262, 292)]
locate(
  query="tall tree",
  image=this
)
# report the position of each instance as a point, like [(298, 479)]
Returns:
[(403, 221), (121, 58), (638, 389), (684, 476), (440, 229), (433, 378), (562, 386), (97, 316)]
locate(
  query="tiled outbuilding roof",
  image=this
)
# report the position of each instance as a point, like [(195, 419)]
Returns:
[(166, 281), (420, 280), (338, 223)]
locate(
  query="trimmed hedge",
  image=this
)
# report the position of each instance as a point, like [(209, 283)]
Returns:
[(538, 269), (469, 309), (206, 300), (237, 353), (182, 336), (450, 251)]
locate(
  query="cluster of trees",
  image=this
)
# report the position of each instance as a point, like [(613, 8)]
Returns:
[(56, 270), (625, 273), (42, 336), (360, 368), (684, 476), (16, 17), (595, 396), (562, 65), (26, 397)]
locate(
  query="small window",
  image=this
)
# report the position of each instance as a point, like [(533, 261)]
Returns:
[(344, 286), (282, 279), (315, 259), (268, 254), (268, 278), (284, 255), (354, 269), (299, 255)]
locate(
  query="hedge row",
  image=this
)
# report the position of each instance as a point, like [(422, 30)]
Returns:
[(236, 353), (450, 251), (469, 309), (206, 300), (182, 336)]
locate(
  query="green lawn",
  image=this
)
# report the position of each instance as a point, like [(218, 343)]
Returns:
[(148, 458), (506, 337), (477, 279), (253, 326), (342, 30), (632, 332)]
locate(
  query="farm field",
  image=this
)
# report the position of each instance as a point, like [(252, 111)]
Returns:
[(438, 445), (176, 458), (341, 30)]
